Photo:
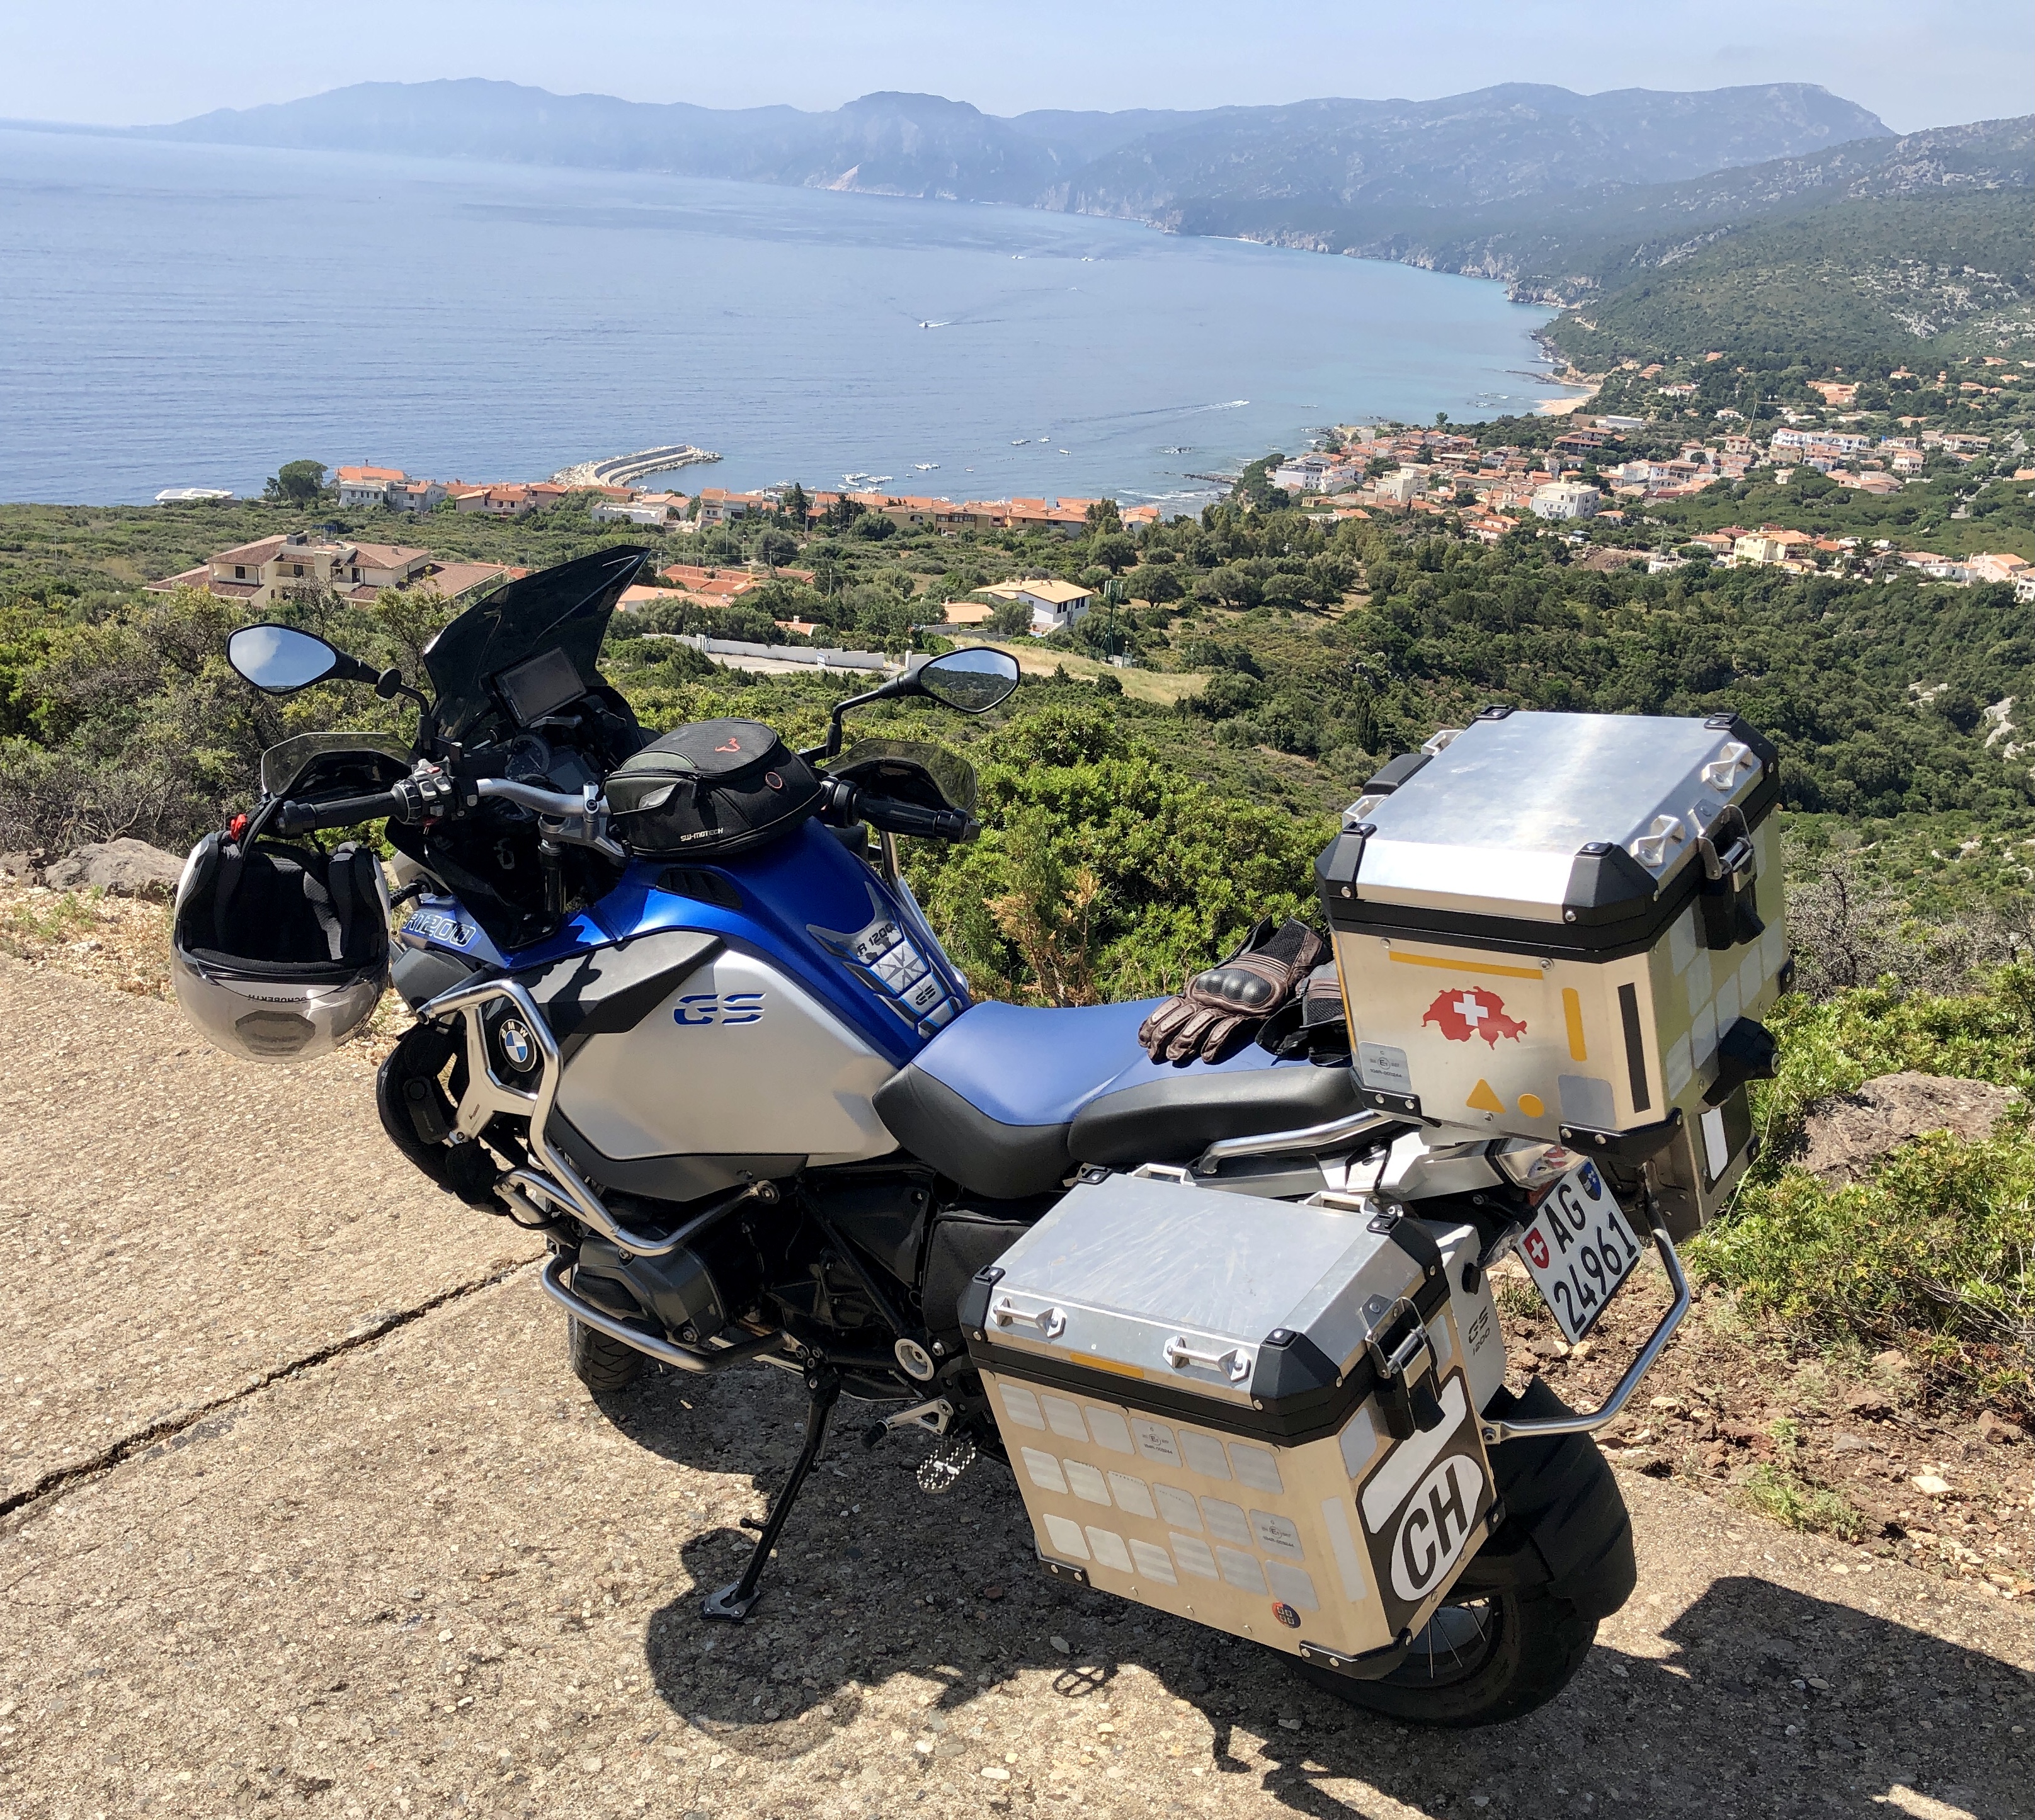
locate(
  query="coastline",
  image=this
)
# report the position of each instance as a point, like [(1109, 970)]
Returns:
[(852, 385)]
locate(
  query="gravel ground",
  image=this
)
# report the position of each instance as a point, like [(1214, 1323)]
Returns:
[(426, 1573), (1865, 1454)]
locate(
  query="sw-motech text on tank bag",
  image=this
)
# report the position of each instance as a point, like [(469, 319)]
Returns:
[(1259, 1415), (1567, 926)]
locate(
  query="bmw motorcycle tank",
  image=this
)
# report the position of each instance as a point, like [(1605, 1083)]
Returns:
[(766, 1000), (738, 1059)]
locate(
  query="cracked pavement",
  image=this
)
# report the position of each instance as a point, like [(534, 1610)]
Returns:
[(337, 1531)]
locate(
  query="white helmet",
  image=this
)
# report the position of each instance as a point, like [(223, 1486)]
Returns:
[(278, 953)]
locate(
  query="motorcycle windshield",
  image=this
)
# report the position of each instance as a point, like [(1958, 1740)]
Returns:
[(563, 609)]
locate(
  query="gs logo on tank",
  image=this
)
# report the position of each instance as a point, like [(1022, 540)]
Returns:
[(719, 1008)]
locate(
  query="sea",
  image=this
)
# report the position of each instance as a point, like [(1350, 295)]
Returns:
[(184, 315)]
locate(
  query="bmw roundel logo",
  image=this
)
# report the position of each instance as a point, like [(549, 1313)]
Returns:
[(519, 1048)]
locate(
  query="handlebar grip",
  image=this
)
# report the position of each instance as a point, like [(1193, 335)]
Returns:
[(894, 817), (341, 812)]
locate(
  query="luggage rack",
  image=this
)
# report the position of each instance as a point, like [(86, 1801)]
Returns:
[(1357, 1125)]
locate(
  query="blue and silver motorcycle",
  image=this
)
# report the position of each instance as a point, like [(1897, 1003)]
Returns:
[(678, 1011)]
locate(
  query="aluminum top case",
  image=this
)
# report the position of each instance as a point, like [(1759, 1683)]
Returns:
[(1565, 927), (1258, 1414)]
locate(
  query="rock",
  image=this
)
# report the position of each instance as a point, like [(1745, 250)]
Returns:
[(122, 868), (1846, 1134), (1841, 1443), (1060, 1644), (1869, 1405), (1931, 1484), (1892, 1359), (1999, 1430), (27, 868)]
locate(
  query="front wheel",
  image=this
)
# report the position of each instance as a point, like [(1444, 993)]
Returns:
[(599, 1363), (1481, 1661)]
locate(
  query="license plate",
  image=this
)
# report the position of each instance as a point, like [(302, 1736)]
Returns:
[(1579, 1249)]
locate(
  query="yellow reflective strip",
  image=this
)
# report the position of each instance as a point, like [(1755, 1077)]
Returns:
[(1100, 1364), (1466, 966), (1572, 1009)]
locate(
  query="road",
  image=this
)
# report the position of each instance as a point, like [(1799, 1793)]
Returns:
[(305, 1513)]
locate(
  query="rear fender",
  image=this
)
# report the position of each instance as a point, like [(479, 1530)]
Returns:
[(1566, 1530)]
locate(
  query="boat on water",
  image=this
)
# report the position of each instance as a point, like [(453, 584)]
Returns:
[(925, 466)]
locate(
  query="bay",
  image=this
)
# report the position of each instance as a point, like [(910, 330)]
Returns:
[(196, 315)]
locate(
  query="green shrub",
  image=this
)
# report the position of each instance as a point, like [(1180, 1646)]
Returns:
[(1779, 1493), (1935, 1255)]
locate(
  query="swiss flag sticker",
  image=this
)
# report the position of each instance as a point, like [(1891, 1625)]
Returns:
[(1466, 1011)]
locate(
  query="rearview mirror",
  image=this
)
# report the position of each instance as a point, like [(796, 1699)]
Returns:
[(279, 659), (974, 678)]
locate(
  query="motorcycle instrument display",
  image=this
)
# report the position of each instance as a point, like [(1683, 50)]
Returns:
[(1223, 1307)]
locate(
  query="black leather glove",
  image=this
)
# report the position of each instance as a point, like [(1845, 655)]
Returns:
[(1313, 1023), (1218, 1010)]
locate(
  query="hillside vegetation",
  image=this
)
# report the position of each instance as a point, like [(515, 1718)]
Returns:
[(1847, 287)]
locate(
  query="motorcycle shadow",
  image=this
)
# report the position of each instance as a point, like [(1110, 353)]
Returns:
[(878, 1588)]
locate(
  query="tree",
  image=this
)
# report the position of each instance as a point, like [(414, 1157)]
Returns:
[(1103, 516), (296, 483), (798, 505), (1113, 550), (775, 549)]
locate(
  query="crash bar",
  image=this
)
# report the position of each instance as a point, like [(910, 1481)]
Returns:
[(696, 1360)]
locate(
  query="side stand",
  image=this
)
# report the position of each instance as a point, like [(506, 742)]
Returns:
[(733, 1604)]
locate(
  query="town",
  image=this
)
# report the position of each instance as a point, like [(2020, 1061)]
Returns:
[(1616, 488)]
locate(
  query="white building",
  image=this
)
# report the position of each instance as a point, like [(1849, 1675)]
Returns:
[(386, 486), (655, 509), (1054, 604), (1403, 486), (1567, 499)]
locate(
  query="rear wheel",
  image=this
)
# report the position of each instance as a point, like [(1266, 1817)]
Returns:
[(1478, 1662), (598, 1361)]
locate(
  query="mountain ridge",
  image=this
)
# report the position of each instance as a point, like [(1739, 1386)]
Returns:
[(1488, 144)]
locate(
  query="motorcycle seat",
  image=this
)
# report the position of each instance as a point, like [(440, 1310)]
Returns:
[(1008, 1098)]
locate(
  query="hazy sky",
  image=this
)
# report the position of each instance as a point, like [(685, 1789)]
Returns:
[(1914, 63)]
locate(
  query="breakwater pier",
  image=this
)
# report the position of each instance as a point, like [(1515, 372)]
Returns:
[(619, 470)]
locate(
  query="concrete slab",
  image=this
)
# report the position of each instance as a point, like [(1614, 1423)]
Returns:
[(185, 1225), (431, 1576)]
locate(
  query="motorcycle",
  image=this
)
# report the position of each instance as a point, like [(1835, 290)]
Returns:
[(678, 1011)]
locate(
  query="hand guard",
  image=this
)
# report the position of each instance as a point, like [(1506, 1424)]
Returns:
[(1219, 1010)]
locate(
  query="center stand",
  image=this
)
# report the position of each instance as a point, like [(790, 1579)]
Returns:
[(733, 1604)]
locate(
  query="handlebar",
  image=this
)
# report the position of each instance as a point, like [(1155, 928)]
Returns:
[(894, 816), (341, 812), (583, 819), (552, 802)]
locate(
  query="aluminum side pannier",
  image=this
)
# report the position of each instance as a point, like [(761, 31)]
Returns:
[(1257, 1414)]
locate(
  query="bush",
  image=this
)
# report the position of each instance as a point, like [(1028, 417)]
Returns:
[(1935, 1255), (1103, 873)]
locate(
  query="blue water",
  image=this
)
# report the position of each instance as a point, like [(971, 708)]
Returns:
[(190, 315)]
